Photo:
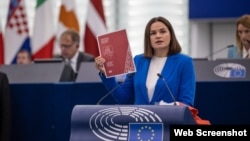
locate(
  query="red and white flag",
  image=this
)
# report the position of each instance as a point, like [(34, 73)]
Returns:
[(16, 35), (43, 33), (67, 20), (95, 25), (1, 46)]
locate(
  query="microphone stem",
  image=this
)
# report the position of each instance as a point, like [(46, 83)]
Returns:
[(166, 85), (217, 51), (164, 81), (98, 103), (210, 55)]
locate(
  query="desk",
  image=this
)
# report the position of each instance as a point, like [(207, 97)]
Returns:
[(42, 112)]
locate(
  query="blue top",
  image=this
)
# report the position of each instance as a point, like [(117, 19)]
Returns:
[(233, 53), (178, 72)]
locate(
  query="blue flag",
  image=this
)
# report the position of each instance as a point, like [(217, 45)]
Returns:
[(146, 131), (237, 73)]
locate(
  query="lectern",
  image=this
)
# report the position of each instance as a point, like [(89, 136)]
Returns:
[(222, 70), (126, 122)]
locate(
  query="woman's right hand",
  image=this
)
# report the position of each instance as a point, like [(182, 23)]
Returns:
[(99, 61)]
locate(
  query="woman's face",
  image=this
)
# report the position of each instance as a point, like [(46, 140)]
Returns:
[(159, 36), (244, 34)]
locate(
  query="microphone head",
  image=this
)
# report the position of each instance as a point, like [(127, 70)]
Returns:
[(159, 75), (229, 46)]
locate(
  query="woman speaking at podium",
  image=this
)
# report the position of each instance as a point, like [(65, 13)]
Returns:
[(162, 71), (242, 49)]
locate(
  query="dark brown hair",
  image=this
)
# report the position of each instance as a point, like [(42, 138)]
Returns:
[(27, 52), (174, 46), (74, 35)]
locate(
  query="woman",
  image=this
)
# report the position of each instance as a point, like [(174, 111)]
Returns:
[(241, 50), (161, 56)]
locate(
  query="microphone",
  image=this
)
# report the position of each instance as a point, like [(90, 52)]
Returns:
[(166, 84), (213, 53), (106, 95), (110, 92)]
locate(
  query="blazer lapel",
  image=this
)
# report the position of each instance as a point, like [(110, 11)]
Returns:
[(78, 63), (166, 73), (144, 65), (169, 67)]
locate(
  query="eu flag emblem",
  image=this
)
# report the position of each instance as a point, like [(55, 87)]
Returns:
[(145, 132), (237, 73)]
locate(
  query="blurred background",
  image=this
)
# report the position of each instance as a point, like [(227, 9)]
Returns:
[(202, 27)]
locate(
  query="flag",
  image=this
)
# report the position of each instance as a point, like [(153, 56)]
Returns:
[(16, 31), (43, 34), (146, 131), (238, 73), (95, 25), (67, 20), (1, 46)]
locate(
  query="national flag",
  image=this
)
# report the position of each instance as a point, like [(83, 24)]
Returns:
[(1, 46), (95, 25), (146, 131), (16, 35), (67, 20), (43, 34)]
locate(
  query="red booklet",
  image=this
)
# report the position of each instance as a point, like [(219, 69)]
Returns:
[(114, 47)]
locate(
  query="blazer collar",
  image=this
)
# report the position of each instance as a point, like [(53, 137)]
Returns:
[(169, 66), (166, 73)]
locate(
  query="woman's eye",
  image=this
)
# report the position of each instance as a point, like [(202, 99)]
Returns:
[(152, 33)]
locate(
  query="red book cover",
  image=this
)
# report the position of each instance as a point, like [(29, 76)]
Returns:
[(114, 47)]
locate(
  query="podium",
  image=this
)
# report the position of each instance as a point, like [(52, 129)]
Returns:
[(222, 70), (222, 90), (126, 122)]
